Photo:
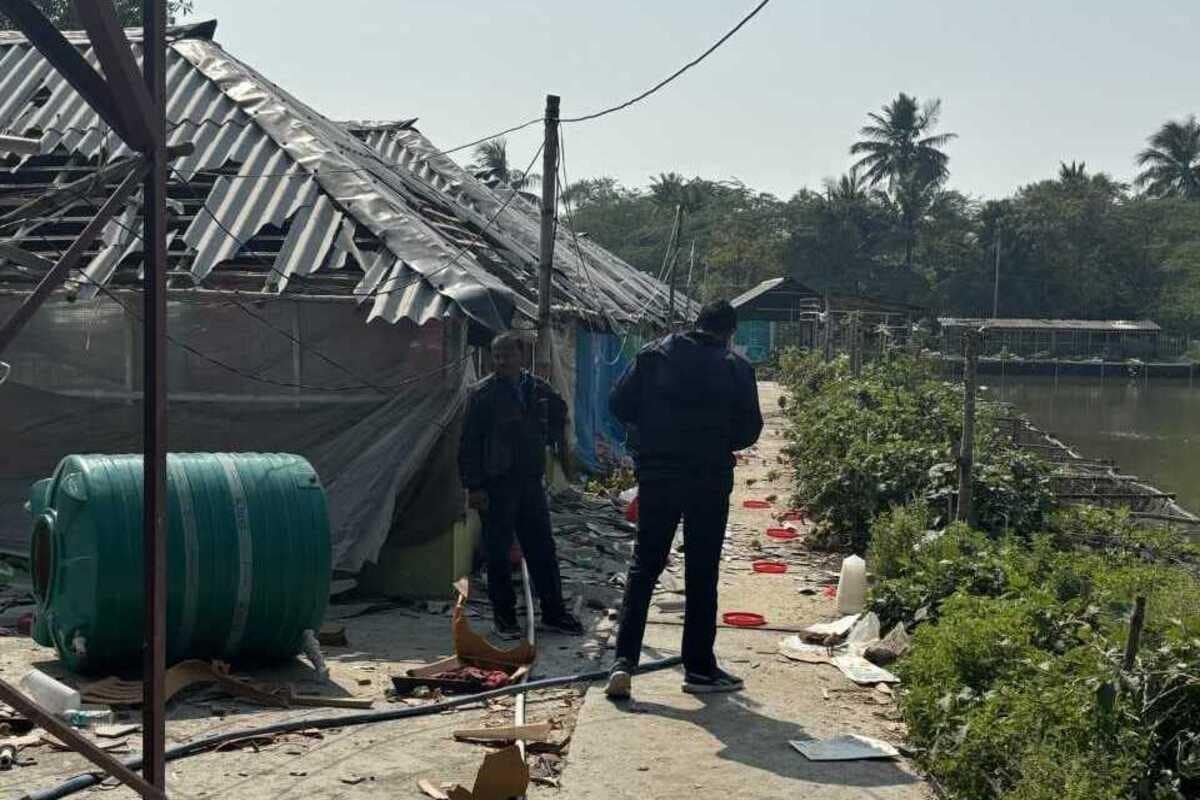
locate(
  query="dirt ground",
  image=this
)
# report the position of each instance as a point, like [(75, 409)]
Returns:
[(664, 744)]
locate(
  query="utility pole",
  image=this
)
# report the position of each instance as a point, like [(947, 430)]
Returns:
[(966, 450), (996, 284), (673, 256), (546, 251)]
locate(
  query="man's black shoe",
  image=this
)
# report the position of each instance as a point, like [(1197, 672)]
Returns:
[(708, 683), (620, 680), (507, 629), (562, 622)]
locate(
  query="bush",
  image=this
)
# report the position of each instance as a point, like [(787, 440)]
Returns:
[(862, 445)]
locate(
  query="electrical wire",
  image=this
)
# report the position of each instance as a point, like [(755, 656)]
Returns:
[(209, 743), (675, 74), (7, 368)]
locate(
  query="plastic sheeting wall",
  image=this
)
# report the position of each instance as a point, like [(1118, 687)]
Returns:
[(600, 360), (365, 403)]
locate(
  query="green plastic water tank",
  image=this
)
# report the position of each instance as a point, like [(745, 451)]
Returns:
[(248, 558)]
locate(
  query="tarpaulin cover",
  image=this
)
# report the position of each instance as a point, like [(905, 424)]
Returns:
[(753, 340), (600, 361), (237, 384)]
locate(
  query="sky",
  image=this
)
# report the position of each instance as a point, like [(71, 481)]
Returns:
[(1024, 84)]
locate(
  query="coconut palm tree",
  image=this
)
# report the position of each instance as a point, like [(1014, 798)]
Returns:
[(900, 149), (491, 163), (1171, 164), (898, 144), (1075, 172)]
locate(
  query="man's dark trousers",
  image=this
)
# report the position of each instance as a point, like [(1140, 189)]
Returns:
[(704, 508), (518, 505)]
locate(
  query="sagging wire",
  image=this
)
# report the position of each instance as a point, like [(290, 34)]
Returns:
[(753, 13), (5, 371)]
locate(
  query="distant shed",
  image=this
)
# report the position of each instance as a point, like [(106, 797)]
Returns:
[(783, 312), (1057, 338)]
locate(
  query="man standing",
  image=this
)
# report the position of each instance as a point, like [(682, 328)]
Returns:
[(511, 416), (689, 402)]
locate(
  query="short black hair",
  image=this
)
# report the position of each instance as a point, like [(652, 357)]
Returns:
[(509, 338), (718, 318)]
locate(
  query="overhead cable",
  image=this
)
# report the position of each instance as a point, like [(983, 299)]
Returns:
[(674, 74)]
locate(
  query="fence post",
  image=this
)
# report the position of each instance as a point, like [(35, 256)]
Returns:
[(1136, 622), (966, 450), (855, 346)]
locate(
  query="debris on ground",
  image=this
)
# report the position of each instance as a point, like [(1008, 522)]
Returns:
[(852, 747), (504, 775), (861, 671)]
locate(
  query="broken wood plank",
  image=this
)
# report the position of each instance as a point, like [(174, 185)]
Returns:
[(536, 732)]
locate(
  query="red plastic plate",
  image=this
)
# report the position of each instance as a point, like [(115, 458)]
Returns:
[(770, 567), (782, 533), (755, 504), (743, 619)]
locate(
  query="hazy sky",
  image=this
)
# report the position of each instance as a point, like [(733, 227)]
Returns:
[(1025, 84)]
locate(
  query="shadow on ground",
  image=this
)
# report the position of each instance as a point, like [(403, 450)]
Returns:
[(755, 739)]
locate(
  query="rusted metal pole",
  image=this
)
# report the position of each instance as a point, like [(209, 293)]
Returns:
[(549, 222), (154, 402), (966, 450), (76, 741)]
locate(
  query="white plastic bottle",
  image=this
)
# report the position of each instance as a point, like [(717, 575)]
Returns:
[(852, 586), (49, 693)]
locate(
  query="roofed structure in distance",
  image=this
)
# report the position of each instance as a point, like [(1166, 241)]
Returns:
[(786, 299), (1056, 325)]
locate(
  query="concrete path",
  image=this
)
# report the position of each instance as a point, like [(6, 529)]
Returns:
[(666, 744)]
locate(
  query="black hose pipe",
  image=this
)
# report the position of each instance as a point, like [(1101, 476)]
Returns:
[(88, 780)]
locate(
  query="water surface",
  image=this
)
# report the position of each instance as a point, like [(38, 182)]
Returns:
[(1151, 429)]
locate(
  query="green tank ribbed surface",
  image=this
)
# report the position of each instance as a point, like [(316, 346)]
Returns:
[(248, 558)]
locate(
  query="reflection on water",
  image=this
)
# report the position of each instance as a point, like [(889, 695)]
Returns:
[(1151, 429)]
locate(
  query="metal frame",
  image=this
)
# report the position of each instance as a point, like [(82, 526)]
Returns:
[(134, 105)]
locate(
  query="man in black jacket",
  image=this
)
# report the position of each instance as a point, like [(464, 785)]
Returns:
[(511, 417), (689, 403)]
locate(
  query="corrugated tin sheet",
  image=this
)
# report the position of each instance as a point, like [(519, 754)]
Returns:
[(276, 187)]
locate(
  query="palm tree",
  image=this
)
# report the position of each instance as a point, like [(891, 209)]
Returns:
[(1075, 172), (900, 149), (898, 143), (849, 188), (1172, 161), (491, 163)]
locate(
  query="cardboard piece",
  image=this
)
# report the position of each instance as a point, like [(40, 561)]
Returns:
[(474, 650), (861, 671), (845, 748), (504, 775), (796, 649), (836, 629)]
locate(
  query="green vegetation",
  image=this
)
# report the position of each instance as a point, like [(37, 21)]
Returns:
[(1076, 244), (1015, 687), (862, 445), (129, 13)]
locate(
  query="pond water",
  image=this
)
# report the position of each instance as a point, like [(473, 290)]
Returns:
[(1150, 428)]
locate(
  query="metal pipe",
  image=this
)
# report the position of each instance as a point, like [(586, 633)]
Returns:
[(88, 780)]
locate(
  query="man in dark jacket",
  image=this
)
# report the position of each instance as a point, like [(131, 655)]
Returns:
[(690, 403), (511, 417)]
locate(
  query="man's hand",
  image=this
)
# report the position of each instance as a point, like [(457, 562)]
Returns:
[(477, 500)]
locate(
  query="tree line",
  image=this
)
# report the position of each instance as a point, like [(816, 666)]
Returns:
[(1076, 244)]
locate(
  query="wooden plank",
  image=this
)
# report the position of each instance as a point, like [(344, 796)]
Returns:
[(76, 742), (537, 732), (124, 79)]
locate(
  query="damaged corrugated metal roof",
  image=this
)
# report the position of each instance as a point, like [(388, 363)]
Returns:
[(278, 198)]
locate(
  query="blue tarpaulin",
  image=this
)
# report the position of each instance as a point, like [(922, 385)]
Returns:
[(600, 361)]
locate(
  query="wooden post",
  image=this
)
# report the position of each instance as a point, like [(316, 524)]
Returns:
[(966, 450), (828, 343), (546, 251), (855, 346), (1136, 622), (673, 256)]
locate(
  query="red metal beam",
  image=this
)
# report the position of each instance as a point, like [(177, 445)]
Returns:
[(80, 744), (65, 58), (120, 70), (70, 259)]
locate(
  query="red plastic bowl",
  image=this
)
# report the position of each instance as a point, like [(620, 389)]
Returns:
[(782, 533), (770, 567), (755, 504), (743, 619)]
